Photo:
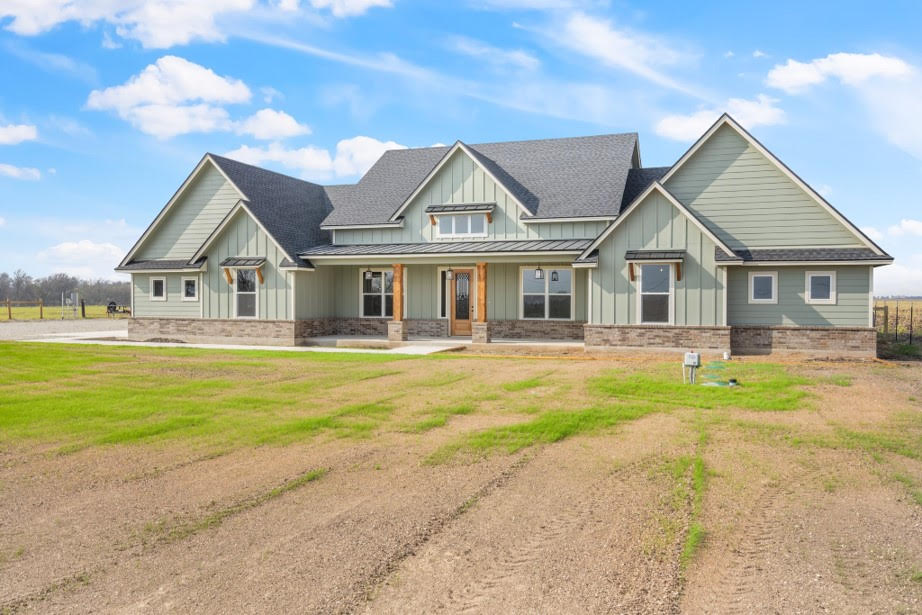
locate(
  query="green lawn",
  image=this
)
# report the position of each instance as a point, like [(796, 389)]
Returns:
[(72, 397)]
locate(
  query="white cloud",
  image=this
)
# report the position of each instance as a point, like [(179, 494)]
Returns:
[(872, 232), (758, 53), (11, 134), (763, 111), (353, 157), (272, 124), (906, 226), (27, 173), (155, 23), (2, 222), (84, 258), (269, 94), (620, 48), (888, 87), (850, 68), (900, 278), (493, 55), (53, 62), (825, 190), (157, 100), (729, 54), (349, 8)]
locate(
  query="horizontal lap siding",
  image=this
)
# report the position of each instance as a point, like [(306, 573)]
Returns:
[(461, 181), (657, 224), (192, 218), (748, 202), (243, 237), (850, 309), (173, 307)]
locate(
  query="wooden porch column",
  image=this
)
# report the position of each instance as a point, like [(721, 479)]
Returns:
[(481, 292), (398, 292)]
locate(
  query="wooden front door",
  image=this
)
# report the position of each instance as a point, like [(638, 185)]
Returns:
[(462, 305)]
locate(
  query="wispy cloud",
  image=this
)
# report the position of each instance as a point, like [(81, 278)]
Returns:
[(495, 56), (762, 111), (14, 172), (11, 134), (53, 62)]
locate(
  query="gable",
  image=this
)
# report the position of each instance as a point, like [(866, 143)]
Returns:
[(194, 215), (748, 201)]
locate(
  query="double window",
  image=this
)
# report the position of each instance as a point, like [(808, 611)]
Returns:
[(655, 299), (377, 293), (462, 225), (246, 293), (547, 294)]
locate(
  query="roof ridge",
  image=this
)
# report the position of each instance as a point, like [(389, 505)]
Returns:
[(546, 139), (263, 169)]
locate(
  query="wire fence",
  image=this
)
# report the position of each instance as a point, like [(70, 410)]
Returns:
[(39, 310), (899, 320)]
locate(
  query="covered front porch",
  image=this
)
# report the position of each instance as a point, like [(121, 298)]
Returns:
[(464, 296)]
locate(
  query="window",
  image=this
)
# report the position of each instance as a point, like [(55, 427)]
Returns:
[(444, 286), (547, 293), (377, 293), (158, 289), (821, 287), (190, 289), (655, 293), (463, 225), (763, 287), (246, 293)]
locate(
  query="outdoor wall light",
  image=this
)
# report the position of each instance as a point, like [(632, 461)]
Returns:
[(368, 275), (449, 274), (539, 273), (554, 276)]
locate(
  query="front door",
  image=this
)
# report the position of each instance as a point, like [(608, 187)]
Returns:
[(462, 307)]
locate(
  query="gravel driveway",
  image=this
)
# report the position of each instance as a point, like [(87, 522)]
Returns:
[(37, 329)]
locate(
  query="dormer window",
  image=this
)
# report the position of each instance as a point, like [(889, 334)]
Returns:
[(467, 220), (462, 225)]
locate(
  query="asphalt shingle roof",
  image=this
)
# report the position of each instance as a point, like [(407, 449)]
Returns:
[(637, 182), (781, 255), (290, 209), (552, 178)]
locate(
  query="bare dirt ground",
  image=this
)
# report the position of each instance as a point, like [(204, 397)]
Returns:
[(799, 514)]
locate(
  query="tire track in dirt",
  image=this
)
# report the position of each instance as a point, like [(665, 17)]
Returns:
[(743, 579), (365, 589), (576, 516)]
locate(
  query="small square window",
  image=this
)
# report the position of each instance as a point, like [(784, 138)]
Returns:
[(158, 289), (190, 289), (763, 287), (821, 287)]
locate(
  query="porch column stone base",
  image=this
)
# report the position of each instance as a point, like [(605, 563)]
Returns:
[(397, 331), (481, 332)]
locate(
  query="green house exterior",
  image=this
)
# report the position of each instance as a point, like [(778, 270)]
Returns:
[(573, 239)]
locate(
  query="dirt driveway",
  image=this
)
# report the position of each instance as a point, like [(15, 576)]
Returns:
[(802, 511)]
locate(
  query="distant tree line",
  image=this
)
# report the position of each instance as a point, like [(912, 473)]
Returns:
[(20, 286)]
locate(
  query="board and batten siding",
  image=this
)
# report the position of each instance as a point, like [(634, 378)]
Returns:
[(174, 306), (191, 219), (459, 181), (850, 309), (243, 237), (748, 202), (657, 224)]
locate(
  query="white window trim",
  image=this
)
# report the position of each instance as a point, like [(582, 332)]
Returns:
[(639, 282), (362, 291), (182, 289), (547, 281), (151, 289), (256, 294), (454, 235), (774, 276), (832, 288)]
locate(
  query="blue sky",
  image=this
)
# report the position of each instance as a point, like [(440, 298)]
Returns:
[(107, 106)]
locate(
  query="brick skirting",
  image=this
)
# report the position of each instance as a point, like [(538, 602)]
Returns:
[(598, 337), (536, 329), (821, 341), (214, 331)]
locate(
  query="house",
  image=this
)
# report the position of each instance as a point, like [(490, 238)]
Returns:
[(549, 239)]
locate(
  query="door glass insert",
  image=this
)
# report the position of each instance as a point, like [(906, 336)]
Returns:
[(462, 296)]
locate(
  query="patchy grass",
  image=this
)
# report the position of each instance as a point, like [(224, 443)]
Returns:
[(911, 486), (438, 417), (762, 387), (527, 383), (548, 427)]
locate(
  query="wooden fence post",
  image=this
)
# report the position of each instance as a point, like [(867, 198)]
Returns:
[(9, 310), (886, 318), (41, 309)]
